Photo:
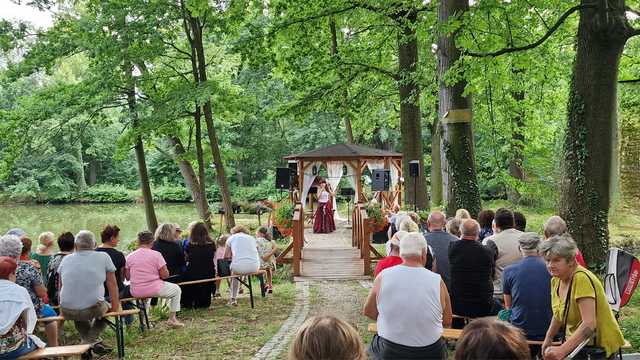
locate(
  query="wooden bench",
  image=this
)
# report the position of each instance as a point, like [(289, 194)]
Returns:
[(117, 326), (452, 334), (58, 351)]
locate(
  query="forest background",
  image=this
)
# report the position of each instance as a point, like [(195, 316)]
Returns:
[(194, 100)]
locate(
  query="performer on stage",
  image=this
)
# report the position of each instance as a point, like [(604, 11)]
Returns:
[(323, 218)]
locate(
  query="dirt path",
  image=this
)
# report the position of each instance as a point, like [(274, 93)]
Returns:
[(342, 299)]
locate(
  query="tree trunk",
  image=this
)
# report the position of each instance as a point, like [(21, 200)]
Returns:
[(591, 137), (93, 172), (517, 142), (152, 220), (80, 180), (460, 186), (345, 91), (198, 47), (436, 168), (195, 186), (415, 189)]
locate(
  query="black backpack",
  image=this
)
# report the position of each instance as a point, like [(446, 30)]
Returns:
[(53, 284)]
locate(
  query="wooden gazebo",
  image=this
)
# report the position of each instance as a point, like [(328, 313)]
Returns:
[(356, 158)]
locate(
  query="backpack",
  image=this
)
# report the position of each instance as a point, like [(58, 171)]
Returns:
[(53, 283)]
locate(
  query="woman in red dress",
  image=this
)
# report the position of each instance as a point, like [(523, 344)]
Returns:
[(323, 218)]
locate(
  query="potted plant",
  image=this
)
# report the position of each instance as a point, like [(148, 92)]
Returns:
[(377, 219), (283, 218)]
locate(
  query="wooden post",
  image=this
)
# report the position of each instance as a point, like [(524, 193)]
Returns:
[(298, 238), (366, 235), (301, 181), (359, 196)]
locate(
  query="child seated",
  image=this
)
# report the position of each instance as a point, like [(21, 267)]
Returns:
[(266, 250), (221, 247)]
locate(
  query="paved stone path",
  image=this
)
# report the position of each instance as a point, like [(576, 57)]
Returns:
[(277, 343)]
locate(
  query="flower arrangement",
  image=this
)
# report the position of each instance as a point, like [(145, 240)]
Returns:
[(284, 217)]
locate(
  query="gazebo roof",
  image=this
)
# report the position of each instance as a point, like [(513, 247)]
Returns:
[(344, 152)]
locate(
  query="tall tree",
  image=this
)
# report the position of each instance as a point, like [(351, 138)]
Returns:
[(193, 26), (592, 135), (457, 143)]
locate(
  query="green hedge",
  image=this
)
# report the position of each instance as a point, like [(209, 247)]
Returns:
[(108, 194)]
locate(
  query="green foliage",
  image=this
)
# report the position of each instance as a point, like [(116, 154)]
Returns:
[(171, 193), (107, 194), (374, 212), (284, 214)]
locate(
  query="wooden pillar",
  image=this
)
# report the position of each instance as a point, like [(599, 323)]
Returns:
[(358, 183), (301, 182)]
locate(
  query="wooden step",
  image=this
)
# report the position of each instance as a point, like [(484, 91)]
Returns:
[(330, 253)]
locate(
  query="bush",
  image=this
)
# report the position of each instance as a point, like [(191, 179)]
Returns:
[(171, 193), (25, 191), (284, 214), (108, 194)]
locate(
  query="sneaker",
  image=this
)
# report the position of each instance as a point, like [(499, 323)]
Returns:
[(101, 349), (269, 289), (175, 324), (232, 302)]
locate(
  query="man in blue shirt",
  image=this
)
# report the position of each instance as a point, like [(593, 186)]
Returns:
[(526, 288)]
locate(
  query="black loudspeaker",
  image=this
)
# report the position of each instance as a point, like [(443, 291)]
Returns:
[(381, 180), (282, 178), (414, 168)]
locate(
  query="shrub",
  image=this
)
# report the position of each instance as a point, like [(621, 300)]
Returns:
[(171, 193), (25, 191), (108, 194), (284, 214)]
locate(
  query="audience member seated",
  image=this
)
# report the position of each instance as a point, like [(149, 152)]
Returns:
[(110, 236), (471, 266), (490, 339), (221, 249), (519, 221), (555, 225), (453, 227), (505, 247), (44, 251), (145, 270), (17, 315), (266, 250), (166, 244), (439, 241), (393, 258), (580, 307), (242, 249), (486, 223), (410, 226), (30, 278), (525, 285), (200, 265), (65, 245), (410, 305), (327, 337), (462, 214), (82, 276)]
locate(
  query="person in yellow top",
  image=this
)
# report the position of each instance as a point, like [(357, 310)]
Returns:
[(578, 302)]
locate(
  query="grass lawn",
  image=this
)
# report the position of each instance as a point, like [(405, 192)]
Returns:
[(220, 332)]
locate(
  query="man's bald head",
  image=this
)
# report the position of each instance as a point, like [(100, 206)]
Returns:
[(436, 221), (470, 229)]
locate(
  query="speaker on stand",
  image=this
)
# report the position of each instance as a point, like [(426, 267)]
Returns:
[(348, 192), (414, 172), (283, 179)]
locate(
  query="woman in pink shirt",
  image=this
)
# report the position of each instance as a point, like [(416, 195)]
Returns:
[(145, 270)]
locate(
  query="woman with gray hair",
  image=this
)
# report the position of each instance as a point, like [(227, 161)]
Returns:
[(524, 285), (555, 225), (580, 306), (166, 244), (30, 278)]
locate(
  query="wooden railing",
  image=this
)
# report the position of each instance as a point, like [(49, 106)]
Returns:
[(297, 242), (361, 235)]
